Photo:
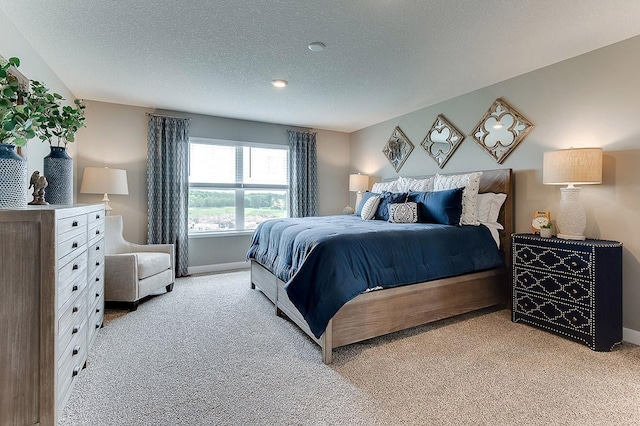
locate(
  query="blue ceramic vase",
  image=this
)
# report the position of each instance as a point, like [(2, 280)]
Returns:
[(58, 169), (13, 178)]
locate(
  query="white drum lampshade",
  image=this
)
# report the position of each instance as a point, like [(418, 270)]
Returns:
[(575, 166), (358, 183), (104, 180)]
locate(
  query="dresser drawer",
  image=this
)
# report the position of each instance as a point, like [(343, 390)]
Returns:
[(71, 224), (562, 318), (96, 232), (96, 316), (72, 242), (572, 262), (69, 366), (95, 217), (73, 330), (72, 312), (95, 285), (556, 286), (96, 255)]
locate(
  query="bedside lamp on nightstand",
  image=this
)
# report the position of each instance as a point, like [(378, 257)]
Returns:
[(579, 166), (358, 183), (103, 180)]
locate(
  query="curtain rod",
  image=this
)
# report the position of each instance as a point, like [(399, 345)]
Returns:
[(165, 116)]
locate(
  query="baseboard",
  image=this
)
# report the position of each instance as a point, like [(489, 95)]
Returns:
[(631, 336), (220, 267)]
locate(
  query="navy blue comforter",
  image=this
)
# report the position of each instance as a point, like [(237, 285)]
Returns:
[(327, 261)]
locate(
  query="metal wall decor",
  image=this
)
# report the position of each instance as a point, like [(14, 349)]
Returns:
[(501, 129), (397, 149), (442, 140)]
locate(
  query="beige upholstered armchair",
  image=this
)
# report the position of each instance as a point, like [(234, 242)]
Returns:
[(134, 271)]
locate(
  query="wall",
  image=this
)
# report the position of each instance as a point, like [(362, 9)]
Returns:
[(592, 100), (116, 136), (12, 43)]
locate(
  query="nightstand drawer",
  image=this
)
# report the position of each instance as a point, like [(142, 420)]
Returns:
[(71, 224), (572, 262), (556, 286), (559, 317)]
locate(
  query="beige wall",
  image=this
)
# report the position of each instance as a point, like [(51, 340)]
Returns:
[(590, 100), (116, 136)]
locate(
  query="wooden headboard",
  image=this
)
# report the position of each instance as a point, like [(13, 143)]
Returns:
[(498, 181)]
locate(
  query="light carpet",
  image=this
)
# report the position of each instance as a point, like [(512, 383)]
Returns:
[(213, 352)]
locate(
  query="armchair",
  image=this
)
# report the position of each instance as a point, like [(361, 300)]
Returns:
[(132, 272)]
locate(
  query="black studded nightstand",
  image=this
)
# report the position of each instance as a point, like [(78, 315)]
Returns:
[(572, 288)]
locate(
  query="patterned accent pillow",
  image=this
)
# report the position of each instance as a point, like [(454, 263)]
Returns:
[(389, 198), (365, 197), (471, 184), (370, 207), (403, 212)]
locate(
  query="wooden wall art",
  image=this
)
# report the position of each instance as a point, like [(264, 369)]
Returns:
[(397, 149), (442, 140), (501, 129)]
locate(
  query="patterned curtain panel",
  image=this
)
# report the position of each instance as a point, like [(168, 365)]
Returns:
[(168, 185), (303, 174)]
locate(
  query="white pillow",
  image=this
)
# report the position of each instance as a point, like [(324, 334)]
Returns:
[(370, 207), (488, 206), (422, 185), (380, 187), (471, 183)]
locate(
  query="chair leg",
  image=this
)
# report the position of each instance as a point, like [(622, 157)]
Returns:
[(169, 288), (133, 306)]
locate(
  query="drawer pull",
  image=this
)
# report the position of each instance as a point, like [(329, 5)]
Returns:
[(97, 263), (74, 245), (74, 223), (525, 280), (97, 216), (574, 319), (75, 287), (98, 324), (97, 232), (97, 279), (97, 294), (76, 328), (574, 264), (76, 349), (97, 248), (574, 291), (75, 267), (75, 309), (76, 370), (97, 310)]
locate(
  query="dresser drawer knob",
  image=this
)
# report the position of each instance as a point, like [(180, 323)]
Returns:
[(97, 310), (97, 294), (574, 264), (525, 280), (74, 245), (97, 263), (74, 267), (76, 349), (74, 223), (97, 279), (574, 291), (76, 370), (574, 319), (97, 232), (75, 309), (98, 324), (97, 248), (76, 328), (74, 288), (97, 216)]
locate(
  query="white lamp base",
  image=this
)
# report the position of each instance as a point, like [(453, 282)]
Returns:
[(358, 198), (107, 207), (572, 219)]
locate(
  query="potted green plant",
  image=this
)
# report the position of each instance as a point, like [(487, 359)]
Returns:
[(58, 127), (19, 122), (546, 231)]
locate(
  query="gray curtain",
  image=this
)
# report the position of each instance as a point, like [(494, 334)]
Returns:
[(168, 185), (303, 174)]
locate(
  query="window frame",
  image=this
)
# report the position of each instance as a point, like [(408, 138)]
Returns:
[(238, 187)]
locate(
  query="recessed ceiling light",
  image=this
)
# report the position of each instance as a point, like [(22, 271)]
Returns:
[(316, 46), (279, 83)]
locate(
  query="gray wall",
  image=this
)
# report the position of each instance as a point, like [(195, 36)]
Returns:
[(592, 100)]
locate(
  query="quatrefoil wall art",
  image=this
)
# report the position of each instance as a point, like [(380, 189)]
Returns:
[(442, 140), (501, 129), (397, 149)]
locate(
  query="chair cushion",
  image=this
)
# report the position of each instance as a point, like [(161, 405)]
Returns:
[(151, 263)]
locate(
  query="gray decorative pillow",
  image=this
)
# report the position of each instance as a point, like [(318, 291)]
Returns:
[(403, 213), (370, 207)]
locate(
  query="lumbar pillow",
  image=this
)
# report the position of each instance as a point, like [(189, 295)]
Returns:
[(370, 207), (403, 212), (488, 206), (444, 207), (471, 184)]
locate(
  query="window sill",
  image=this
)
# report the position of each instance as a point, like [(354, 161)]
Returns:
[(214, 234)]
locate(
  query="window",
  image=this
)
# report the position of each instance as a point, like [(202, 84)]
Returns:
[(233, 186)]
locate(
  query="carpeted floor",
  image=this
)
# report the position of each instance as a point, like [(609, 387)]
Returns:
[(213, 352)]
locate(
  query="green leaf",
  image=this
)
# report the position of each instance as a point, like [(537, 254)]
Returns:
[(9, 125), (14, 61), (3, 73), (20, 141)]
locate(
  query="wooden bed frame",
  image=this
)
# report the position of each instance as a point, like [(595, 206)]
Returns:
[(384, 311)]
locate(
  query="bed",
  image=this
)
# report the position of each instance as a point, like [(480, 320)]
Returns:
[(374, 311)]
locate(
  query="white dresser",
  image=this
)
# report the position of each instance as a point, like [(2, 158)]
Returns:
[(51, 306)]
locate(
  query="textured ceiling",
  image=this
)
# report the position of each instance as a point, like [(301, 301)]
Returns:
[(383, 58)]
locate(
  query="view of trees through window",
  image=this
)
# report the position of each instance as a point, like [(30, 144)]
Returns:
[(235, 186)]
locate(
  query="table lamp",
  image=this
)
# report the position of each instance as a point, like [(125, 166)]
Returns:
[(103, 180), (575, 166), (358, 183)]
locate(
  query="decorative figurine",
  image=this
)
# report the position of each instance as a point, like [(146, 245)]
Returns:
[(39, 183)]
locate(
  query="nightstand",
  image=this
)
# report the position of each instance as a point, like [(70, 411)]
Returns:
[(572, 288)]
